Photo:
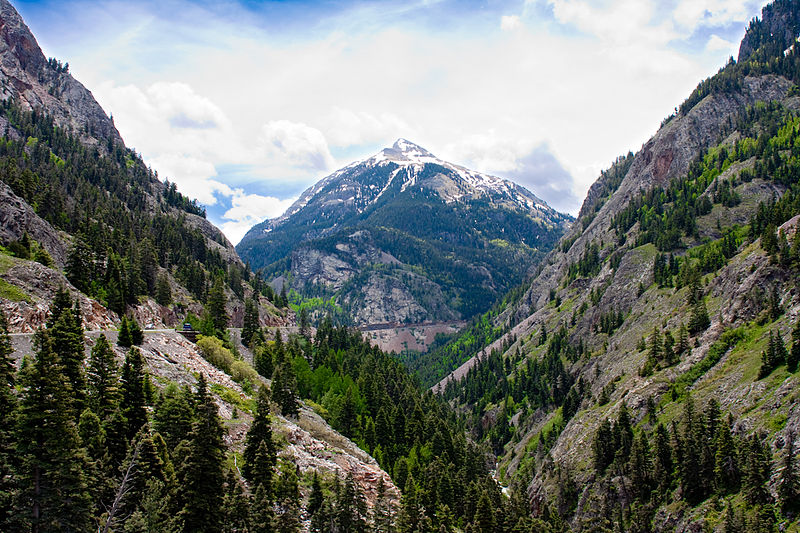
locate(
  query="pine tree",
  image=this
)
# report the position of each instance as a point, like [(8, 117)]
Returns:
[(251, 321), (8, 403), (103, 379), (351, 508), (756, 474), (124, 337), (262, 515), (163, 290), (793, 358), (303, 322), (51, 464), (727, 475), (201, 474), (284, 389), (260, 454), (173, 414), (789, 485), (287, 499), (484, 521), (412, 518), (215, 307), (662, 461), (80, 265), (134, 402), (262, 361), (66, 334), (137, 335), (316, 498), (236, 506), (383, 521)]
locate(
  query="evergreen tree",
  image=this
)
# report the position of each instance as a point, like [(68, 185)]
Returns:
[(163, 290), (727, 475), (683, 341), (789, 485), (103, 379), (134, 401), (66, 334), (262, 361), (251, 321), (51, 465), (317, 497), (236, 506), (137, 335), (284, 389), (383, 521), (662, 461), (287, 499), (173, 414), (201, 474), (260, 454), (303, 322), (80, 265), (215, 308), (124, 337), (484, 521), (262, 515), (757, 470), (351, 508), (8, 403), (412, 518), (793, 358)]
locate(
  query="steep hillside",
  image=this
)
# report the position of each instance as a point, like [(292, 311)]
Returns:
[(606, 383), (404, 237)]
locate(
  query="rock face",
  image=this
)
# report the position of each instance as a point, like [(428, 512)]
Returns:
[(17, 218), (405, 237), (25, 74)]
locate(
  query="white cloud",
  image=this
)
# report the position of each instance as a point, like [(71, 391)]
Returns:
[(693, 13), (716, 43), (346, 127), (510, 22), (247, 210), (297, 144)]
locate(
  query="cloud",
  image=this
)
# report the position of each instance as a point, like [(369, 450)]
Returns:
[(530, 164), (297, 144), (247, 210), (510, 22), (346, 127), (716, 43), (693, 13)]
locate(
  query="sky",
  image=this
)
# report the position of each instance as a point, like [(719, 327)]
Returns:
[(245, 103)]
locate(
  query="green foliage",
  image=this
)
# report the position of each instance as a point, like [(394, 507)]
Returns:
[(214, 352)]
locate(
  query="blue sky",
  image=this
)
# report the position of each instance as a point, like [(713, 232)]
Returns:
[(244, 104)]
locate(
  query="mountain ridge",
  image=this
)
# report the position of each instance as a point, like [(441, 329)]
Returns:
[(405, 237)]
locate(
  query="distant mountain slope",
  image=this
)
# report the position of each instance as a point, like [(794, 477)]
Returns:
[(404, 237), (605, 383)]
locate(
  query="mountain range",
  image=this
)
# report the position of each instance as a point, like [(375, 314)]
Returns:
[(635, 369)]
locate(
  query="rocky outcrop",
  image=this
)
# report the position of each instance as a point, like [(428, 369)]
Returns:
[(25, 74), (39, 285), (17, 218)]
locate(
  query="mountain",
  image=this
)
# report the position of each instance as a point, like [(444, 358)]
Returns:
[(645, 379), (404, 237), (104, 426)]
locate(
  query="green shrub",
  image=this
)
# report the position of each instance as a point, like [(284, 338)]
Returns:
[(214, 352), (241, 372)]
